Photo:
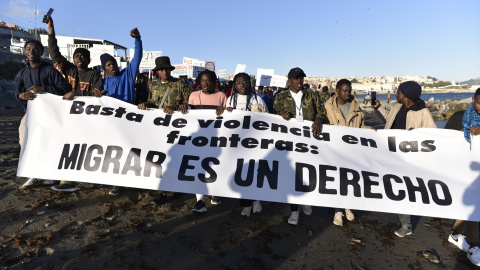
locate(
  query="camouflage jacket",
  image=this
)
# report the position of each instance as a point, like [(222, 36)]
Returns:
[(312, 107), (176, 96), (324, 96)]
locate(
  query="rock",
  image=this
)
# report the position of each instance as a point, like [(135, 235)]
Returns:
[(310, 233), (41, 213), (49, 251), (431, 256)]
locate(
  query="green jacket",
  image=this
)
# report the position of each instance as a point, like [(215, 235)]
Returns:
[(312, 107), (176, 96)]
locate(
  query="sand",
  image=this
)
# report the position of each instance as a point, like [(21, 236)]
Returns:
[(88, 229)]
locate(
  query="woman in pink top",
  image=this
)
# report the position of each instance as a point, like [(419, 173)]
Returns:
[(206, 98)]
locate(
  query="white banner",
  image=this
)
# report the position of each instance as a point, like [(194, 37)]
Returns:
[(240, 68), (148, 59), (428, 172), (264, 76)]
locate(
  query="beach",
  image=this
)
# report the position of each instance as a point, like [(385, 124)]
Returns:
[(43, 229)]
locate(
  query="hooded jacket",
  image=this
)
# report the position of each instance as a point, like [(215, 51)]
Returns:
[(355, 117), (122, 85), (418, 116), (42, 75)]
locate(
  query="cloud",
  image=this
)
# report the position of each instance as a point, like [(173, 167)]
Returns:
[(19, 9)]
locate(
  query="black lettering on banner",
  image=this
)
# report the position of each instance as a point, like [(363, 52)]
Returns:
[(137, 117), (204, 123), (97, 160), (368, 142), (92, 109), (67, 158), (367, 185), (77, 107), (200, 141), (392, 144), (312, 177), (301, 147), (218, 122), (427, 146), (346, 181), (232, 124), (186, 166), (250, 171), (271, 175), (81, 157), (110, 158), (387, 184), (411, 189), (324, 178), (447, 200), (282, 145), (161, 121), (322, 137), (133, 155), (157, 164), (119, 112), (107, 111), (206, 166), (179, 123), (408, 146), (350, 139), (249, 143), (260, 125)]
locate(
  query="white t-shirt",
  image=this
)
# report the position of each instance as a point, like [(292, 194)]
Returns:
[(242, 102), (297, 97)]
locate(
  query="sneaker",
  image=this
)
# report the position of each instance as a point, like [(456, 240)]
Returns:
[(293, 219), (307, 209), (257, 207), (459, 241), (65, 188), (31, 182), (403, 231), (115, 191), (338, 219), (160, 199), (97, 185), (216, 200), (349, 214), (473, 254), (200, 207), (246, 211)]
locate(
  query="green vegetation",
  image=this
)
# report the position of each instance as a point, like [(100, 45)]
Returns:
[(436, 84), (9, 70)]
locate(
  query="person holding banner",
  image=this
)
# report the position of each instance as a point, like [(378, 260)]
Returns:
[(409, 113), (468, 242), (244, 99), (343, 110), (84, 81), (304, 104), (121, 84), (34, 78), (166, 92), (207, 98)]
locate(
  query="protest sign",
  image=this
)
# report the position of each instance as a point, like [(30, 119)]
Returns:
[(240, 68), (179, 70), (148, 59), (222, 74), (210, 65), (98, 50), (264, 76), (428, 172), (278, 81)]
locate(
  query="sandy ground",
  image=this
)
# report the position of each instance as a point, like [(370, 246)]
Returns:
[(88, 229)]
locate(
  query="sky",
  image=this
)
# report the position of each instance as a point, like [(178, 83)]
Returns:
[(438, 38)]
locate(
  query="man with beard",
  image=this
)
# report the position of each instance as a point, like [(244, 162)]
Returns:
[(301, 104)]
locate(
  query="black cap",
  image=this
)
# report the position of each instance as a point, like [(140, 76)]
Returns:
[(163, 62), (296, 72), (411, 90)]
